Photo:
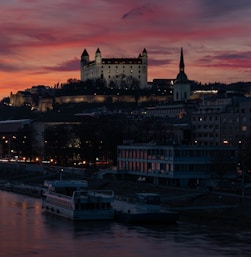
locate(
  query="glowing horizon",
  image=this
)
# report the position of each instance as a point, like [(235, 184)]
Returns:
[(42, 41)]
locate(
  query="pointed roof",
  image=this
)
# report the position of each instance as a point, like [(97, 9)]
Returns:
[(85, 53), (181, 77), (98, 51), (182, 65)]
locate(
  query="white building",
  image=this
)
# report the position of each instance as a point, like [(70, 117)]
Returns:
[(114, 69), (177, 164)]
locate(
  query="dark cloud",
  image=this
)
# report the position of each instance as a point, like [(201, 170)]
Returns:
[(154, 62), (6, 67), (222, 7), (227, 60), (71, 65), (138, 11), (234, 56)]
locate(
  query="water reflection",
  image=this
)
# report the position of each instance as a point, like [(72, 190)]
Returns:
[(25, 231)]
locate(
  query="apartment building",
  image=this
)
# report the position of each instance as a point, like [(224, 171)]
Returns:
[(222, 121)]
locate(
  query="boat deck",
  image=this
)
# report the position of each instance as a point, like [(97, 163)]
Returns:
[(126, 207), (129, 213)]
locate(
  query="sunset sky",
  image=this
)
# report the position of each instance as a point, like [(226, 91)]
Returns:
[(42, 41)]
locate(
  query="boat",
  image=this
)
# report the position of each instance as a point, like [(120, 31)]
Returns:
[(146, 210), (73, 200)]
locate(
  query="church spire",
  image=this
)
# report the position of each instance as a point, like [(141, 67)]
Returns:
[(181, 77), (182, 65), (181, 87)]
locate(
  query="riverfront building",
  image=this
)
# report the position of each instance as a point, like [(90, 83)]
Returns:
[(114, 70), (177, 164)]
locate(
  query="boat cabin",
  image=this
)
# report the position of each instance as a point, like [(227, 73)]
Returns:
[(148, 201), (66, 187)]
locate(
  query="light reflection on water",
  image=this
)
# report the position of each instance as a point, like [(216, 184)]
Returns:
[(25, 231)]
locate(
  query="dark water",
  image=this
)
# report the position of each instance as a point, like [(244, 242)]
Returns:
[(25, 231)]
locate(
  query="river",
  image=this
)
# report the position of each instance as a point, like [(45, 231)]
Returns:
[(25, 231)]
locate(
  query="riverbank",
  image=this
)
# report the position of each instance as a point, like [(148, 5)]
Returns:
[(194, 205)]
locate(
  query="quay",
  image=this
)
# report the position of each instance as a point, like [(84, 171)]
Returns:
[(196, 205)]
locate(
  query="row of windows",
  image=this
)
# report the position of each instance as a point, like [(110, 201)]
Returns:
[(145, 153), (208, 135), (192, 167), (204, 118), (211, 126), (117, 62), (166, 168), (119, 66), (93, 206), (161, 153), (109, 71), (144, 166), (205, 153), (214, 118), (224, 127), (117, 76), (242, 110)]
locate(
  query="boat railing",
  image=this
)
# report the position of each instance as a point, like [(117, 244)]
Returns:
[(148, 207), (59, 195), (105, 194)]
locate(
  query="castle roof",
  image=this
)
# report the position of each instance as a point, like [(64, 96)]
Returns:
[(85, 53), (121, 61), (116, 60)]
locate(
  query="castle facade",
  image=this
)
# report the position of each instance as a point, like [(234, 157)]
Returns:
[(115, 70)]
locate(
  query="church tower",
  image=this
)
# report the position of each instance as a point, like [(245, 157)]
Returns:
[(181, 87)]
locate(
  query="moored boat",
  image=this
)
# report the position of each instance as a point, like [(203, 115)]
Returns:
[(72, 200), (146, 210)]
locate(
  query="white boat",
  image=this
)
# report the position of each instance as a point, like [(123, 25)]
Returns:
[(146, 210), (72, 200)]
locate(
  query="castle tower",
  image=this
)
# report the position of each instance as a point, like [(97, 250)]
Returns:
[(98, 57), (182, 87), (83, 63), (84, 57), (144, 56), (144, 74)]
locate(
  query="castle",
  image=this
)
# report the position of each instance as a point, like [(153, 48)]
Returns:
[(115, 70)]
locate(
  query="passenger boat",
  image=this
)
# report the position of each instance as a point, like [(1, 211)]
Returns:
[(146, 210), (72, 200)]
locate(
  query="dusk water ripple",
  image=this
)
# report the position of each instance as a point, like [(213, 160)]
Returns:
[(25, 231)]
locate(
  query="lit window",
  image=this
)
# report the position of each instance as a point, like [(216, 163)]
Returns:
[(244, 128)]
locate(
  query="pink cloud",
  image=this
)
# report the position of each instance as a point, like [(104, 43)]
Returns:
[(41, 41), (71, 65), (227, 60)]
